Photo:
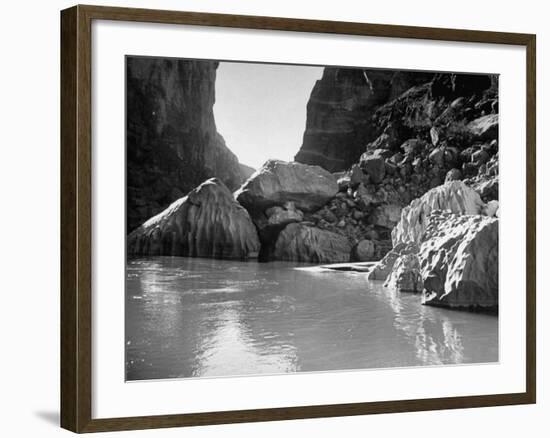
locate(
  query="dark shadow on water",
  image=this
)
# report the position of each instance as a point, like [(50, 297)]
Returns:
[(51, 417)]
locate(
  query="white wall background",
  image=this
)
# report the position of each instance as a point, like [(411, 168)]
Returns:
[(29, 219)]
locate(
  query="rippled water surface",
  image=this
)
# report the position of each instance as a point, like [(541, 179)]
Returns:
[(190, 317)]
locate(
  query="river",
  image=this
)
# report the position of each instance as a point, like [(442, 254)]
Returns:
[(192, 317)]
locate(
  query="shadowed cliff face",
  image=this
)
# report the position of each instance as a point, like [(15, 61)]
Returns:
[(172, 141), (339, 113)]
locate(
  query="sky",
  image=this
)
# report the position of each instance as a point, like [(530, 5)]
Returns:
[(260, 109)]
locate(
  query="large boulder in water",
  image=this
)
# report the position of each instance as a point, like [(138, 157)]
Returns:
[(278, 182), (383, 269), (459, 261), (208, 222), (405, 276), (305, 243), (453, 196)]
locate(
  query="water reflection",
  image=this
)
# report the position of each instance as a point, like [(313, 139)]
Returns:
[(199, 317)]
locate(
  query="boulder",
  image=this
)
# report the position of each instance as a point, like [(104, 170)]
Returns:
[(366, 197), (386, 216), (356, 176), (278, 216), (459, 261), (344, 183), (437, 156), (485, 127), (384, 267), (306, 243), (278, 182), (405, 275), (363, 251), (373, 165), (207, 222), (454, 196), (487, 188), (413, 146), (453, 175)]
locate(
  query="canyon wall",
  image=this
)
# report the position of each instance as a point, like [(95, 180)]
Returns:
[(339, 113), (172, 144)]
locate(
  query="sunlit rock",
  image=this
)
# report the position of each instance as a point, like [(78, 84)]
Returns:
[(278, 182), (459, 261), (454, 196), (405, 275), (384, 267)]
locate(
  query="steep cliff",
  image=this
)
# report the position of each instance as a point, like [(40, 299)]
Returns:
[(172, 142), (339, 113)]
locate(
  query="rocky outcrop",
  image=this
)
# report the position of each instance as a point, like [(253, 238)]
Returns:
[(405, 275), (383, 269), (485, 127), (340, 109), (459, 261), (305, 243), (278, 182), (374, 164), (445, 245), (207, 222), (454, 196), (172, 141)]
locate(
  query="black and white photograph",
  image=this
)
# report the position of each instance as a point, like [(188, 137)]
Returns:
[(296, 218)]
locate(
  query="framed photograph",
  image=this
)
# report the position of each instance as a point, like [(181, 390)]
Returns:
[(269, 218)]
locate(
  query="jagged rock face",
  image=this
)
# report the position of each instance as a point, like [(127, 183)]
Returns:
[(207, 222), (454, 196), (172, 141), (339, 113), (405, 275), (459, 261), (383, 269), (304, 243), (485, 127), (279, 182)]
